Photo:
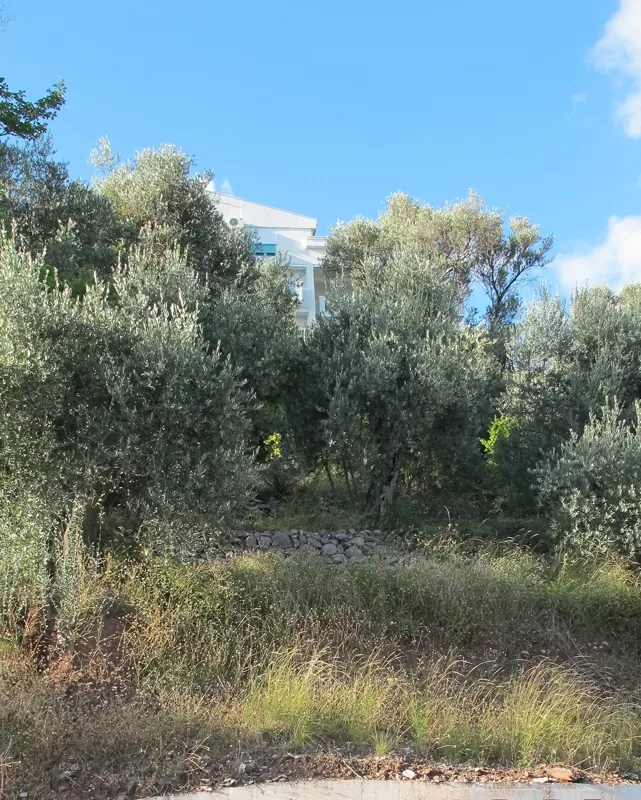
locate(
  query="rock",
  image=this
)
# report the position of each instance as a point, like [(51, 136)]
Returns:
[(324, 537), (352, 532), (329, 549), (264, 541), (314, 543), (358, 559), (357, 541), (295, 541), (339, 558), (353, 551), (340, 536), (308, 550), (251, 541), (377, 533), (542, 780), (281, 539), (409, 774)]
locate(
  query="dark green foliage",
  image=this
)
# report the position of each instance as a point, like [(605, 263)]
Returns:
[(24, 119), (113, 405), (255, 328), (387, 381), (76, 228), (159, 360)]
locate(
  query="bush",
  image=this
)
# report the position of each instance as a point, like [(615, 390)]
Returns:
[(113, 403), (594, 486)]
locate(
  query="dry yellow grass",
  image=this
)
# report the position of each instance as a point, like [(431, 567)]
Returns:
[(258, 649)]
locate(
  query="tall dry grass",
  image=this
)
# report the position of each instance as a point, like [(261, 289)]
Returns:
[(260, 649)]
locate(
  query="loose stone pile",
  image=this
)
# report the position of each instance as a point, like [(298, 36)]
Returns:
[(335, 547)]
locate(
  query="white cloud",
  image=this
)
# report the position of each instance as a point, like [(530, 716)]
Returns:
[(616, 261), (225, 187), (619, 51)]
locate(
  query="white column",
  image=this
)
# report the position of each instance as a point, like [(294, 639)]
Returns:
[(310, 291)]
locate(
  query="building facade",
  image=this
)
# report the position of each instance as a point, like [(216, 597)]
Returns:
[(290, 235)]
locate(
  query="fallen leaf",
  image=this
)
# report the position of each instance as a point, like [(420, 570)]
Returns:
[(562, 774)]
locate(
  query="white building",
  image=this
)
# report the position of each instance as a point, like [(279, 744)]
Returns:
[(288, 234)]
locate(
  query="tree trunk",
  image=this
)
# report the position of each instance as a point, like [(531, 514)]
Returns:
[(57, 538), (329, 476), (382, 492)]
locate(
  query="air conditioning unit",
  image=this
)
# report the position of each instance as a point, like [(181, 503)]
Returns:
[(235, 222)]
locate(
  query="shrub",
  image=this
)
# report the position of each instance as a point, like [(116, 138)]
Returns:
[(594, 486), (114, 405)]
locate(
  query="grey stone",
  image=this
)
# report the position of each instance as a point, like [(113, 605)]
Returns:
[(281, 539), (295, 541), (377, 533), (308, 550), (358, 541), (358, 559), (314, 543), (353, 551), (340, 536), (251, 541), (339, 558), (352, 532), (264, 541), (329, 549)]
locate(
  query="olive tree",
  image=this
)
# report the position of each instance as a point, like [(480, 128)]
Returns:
[(74, 229), (255, 328), (592, 486), (115, 405), (398, 382), (169, 206), (475, 245), (565, 362)]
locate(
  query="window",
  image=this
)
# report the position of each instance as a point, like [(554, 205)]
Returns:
[(264, 250)]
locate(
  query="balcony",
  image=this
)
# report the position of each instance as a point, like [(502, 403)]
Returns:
[(316, 242)]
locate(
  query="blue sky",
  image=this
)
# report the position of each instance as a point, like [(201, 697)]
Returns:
[(326, 108)]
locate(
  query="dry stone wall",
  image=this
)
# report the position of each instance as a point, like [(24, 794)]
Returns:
[(333, 547)]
